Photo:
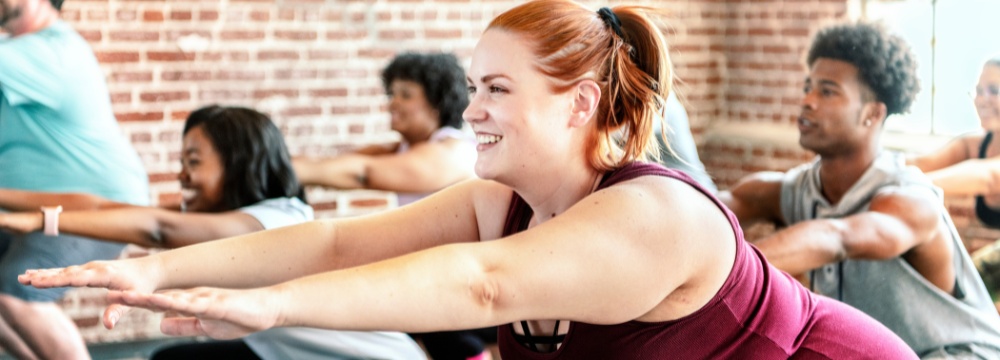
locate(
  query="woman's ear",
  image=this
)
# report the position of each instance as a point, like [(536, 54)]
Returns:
[(587, 96)]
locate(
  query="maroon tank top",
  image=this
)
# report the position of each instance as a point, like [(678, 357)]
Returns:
[(759, 311)]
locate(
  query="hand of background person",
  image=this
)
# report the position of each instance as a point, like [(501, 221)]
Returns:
[(213, 312), (120, 275), (21, 222)]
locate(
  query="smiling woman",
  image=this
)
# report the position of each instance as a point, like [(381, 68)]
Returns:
[(426, 98), (573, 245)]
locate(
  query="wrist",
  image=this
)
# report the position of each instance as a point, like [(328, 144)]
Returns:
[(279, 298)]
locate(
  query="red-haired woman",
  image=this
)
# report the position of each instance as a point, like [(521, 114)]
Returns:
[(570, 243)]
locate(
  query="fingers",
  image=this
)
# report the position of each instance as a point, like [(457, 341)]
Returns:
[(182, 326), (91, 274), (113, 313)]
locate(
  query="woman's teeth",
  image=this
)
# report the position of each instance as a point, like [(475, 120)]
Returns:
[(488, 139)]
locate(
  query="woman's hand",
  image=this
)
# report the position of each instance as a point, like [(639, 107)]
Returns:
[(21, 222), (217, 313), (135, 275)]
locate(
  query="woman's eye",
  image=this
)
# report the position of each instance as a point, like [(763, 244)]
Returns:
[(496, 89)]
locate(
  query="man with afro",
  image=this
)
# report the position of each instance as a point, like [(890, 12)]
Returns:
[(858, 225)]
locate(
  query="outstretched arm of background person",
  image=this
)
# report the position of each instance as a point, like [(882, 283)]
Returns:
[(896, 222), (969, 177), (426, 167), (272, 256), (587, 264), (24, 200), (755, 198), (145, 226), (958, 172)]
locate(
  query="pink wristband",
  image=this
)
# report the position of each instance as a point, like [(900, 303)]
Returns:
[(50, 220)]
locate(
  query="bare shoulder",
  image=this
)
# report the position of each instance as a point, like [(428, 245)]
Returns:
[(675, 204), (491, 200)]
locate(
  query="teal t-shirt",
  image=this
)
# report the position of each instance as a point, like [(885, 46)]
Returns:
[(57, 130)]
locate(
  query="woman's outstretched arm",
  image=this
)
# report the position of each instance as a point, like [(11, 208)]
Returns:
[(426, 167), (272, 256), (615, 256)]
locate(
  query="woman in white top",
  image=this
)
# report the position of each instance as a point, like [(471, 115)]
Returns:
[(236, 178)]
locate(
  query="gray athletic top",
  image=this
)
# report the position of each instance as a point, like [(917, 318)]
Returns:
[(932, 322)]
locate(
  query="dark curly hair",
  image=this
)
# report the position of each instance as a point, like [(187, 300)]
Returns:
[(885, 63), (442, 79), (255, 160)]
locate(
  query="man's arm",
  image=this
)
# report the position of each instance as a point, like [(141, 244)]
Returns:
[(23, 200), (756, 198), (896, 222)]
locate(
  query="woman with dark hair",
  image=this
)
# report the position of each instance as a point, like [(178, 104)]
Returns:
[(970, 165), (426, 98), (236, 178), (572, 244)]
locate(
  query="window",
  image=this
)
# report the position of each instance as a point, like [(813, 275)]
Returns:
[(951, 39)]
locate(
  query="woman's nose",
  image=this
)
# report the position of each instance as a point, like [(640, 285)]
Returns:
[(474, 111)]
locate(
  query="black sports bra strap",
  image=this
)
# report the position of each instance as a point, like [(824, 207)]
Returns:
[(985, 144)]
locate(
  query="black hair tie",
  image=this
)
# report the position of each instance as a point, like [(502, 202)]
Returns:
[(611, 19)]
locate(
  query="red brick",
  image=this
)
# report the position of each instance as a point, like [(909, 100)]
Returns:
[(249, 75), (208, 15), (260, 15), (132, 35), (117, 56), (121, 97), (295, 35), (139, 116), (152, 16), (169, 56), (397, 34), (131, 76), (164, 96), (186, 75), (90, 35), (277, 55), (263, 94), (332, 92), (443, 33), (296, 74), (302, 111), (241, 35), (181, 15)]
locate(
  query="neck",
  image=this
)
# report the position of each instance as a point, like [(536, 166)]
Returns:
[(549, 199), (839, 173), (418, 135)]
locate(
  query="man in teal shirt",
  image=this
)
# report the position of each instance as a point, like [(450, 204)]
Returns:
[(57, 134)]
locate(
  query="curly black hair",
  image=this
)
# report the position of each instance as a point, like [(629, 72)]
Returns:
[(442, 79), (885, 63), (57, 4)]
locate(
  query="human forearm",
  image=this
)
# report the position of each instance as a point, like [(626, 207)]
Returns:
[(253, 260), (971, 177), (22, 200), (342, 172), (804, 246)]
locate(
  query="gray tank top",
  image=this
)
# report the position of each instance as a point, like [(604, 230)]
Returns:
[(931, 321)]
